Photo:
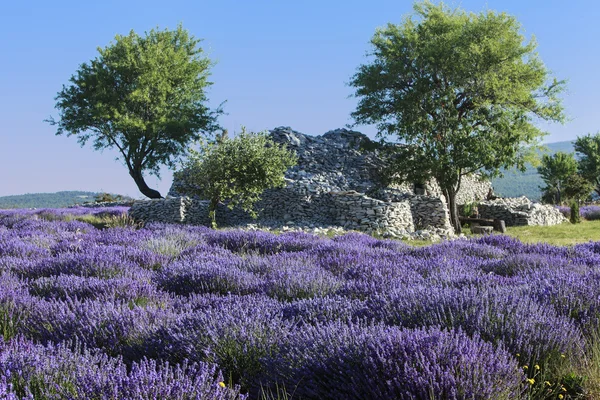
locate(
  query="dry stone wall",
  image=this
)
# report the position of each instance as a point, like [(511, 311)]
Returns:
[(472, 189), (353, 210), (520, 211), (169, 210), (334, 183)]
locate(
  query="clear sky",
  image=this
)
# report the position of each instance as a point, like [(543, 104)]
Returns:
[(278, 63)]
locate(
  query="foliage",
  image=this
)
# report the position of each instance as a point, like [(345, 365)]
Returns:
[(469, 209), (588, 148), (110, 198), (237, 170), (514, 183), (460, 90), (144, 96), (574, 217), (555, 171), (577, 188)]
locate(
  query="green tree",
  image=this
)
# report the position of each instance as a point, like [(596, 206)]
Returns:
[(460, 91), (588, 148), (577, 188), (555, 170), (144, 96), (236, 171)]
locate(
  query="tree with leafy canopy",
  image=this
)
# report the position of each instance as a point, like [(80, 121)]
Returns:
[(577, 188), (144, 96), (556, 170), (460, 91), (236, 171), (588, 148)]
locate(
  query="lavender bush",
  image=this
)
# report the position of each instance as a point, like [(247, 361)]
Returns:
[(339, 361), (31, 371), (170, 311), (589, 213)]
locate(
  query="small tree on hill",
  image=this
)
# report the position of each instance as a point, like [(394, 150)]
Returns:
[(555, 170), (460, 90), (236, 171), (144, 96), (588, 148)]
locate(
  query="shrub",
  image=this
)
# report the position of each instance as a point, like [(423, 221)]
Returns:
[(58, 372), (574, 217), (590, 213), (340, 361)]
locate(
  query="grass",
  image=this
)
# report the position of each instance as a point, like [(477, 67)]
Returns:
[(565, 234)]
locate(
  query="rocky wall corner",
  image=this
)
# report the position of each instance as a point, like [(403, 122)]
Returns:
[(520, 212)]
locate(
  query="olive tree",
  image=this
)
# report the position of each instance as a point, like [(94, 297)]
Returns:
[(461, 92), (144, 96), (236, 171)]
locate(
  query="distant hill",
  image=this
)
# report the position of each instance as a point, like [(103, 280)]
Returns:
[(46, 200), (528, 183)]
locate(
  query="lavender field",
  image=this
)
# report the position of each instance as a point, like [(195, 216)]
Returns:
[(180, 312)]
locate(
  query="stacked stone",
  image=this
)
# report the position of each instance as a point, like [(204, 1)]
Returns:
[(171, 210), (472, 189), (327, 188), (296, 204), (353, 210), (428, 212), (520, 212)]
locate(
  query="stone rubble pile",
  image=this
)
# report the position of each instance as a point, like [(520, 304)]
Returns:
[(334, 184), (520, 211)]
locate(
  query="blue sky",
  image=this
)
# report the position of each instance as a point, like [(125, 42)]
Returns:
[(278, 63)]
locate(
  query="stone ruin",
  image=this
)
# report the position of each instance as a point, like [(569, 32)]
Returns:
[(520, 212), (334, 184)]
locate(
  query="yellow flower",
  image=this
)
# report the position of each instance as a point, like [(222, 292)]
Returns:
[(525, 367), (536, 366), (560, 396), (548, 383), (562, 355), (531, 381), (563, 389), (518, 355), (222, 384)]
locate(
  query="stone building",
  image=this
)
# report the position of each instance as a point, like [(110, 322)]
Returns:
[(334, 184)]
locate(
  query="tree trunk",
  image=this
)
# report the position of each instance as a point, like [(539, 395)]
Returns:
[(143, 186), (450, 195), (212, 212)]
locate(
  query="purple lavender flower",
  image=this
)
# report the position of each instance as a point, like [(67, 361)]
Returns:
[(33, 371), (590, 213), (340, 361)]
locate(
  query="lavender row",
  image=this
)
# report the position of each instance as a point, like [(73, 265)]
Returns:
[(292, 310)]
